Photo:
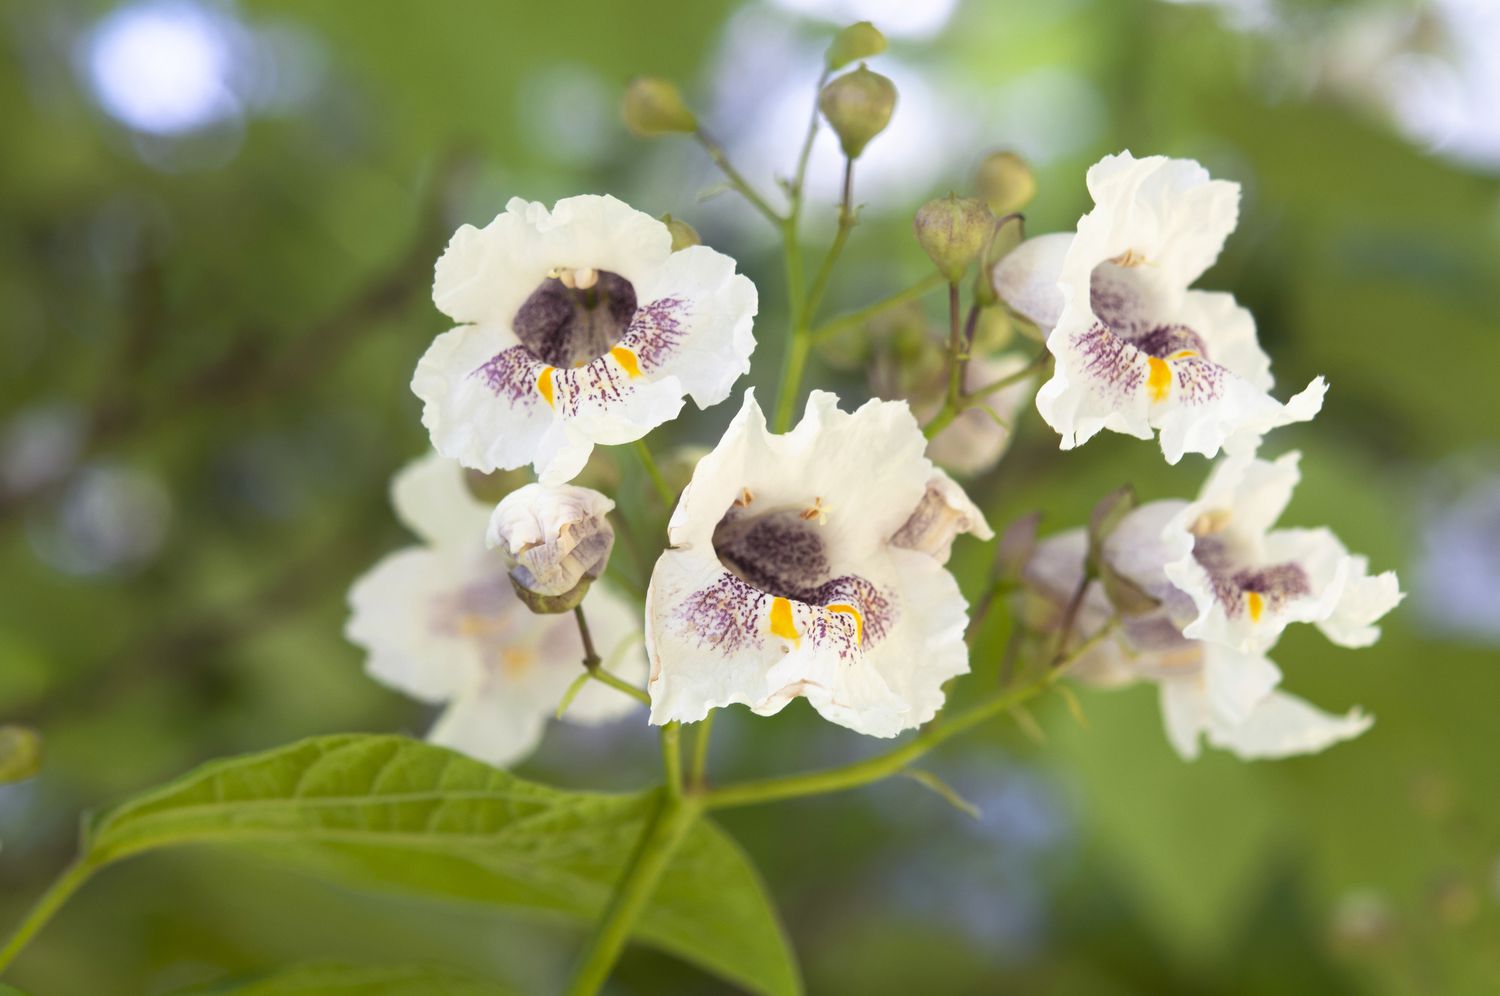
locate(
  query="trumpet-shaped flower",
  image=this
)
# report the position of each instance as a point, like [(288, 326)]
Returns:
[(1208, 691), (1138, 351), (441, 622), (579, 326), (811, 564)]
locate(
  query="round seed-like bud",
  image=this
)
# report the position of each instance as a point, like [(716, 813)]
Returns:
[(654, 106), (953, 231), (683, 234), (20, 753), (1005, 182), (858, 106), (857, 41)]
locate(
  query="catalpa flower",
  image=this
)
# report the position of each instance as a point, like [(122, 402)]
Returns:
[(1207, 690), (441, 622), (1246, 580), (811, 564), (1138, 351), (580, 326)]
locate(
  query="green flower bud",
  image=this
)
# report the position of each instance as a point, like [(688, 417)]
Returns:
[(20, 753), (857, 41), (653, 106), (953, 231), (683, 234), (858, 106), (1005, 182)]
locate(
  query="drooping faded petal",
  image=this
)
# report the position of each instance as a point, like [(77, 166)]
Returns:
[(1027, 277), (944, 513), (553, 536), (582, 328)]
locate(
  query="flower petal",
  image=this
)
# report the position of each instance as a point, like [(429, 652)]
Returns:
[(1027, 278), (1284, 725), (432, 500)]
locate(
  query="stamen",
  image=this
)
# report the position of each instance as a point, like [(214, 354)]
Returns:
[(818, 511), (859, 620), (781, 620), (745, 498), (1130, 258), (1211, 522)]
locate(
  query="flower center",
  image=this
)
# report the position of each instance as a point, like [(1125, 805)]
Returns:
[(575, 316), (1251, 590), (778, 551)]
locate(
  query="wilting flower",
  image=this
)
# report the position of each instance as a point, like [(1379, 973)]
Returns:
[(442, 623), (553, 538), (580, 326), (976, 439), (810, 564), (1137, 350), (1207, 690)]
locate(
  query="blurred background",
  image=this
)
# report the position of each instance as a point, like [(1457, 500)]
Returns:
[(219, 224)]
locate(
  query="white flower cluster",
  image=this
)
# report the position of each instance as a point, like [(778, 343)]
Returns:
[(811, 563)]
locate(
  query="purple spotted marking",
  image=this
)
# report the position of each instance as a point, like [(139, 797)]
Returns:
[(656, 330), (1110, 362), (725, 616), (512, 374), (876, 607), (1231, 581)]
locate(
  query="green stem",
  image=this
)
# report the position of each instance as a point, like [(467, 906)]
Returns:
[(45, 908), (673, 818), (1029, 370), (803, 310), (735, 178), (671, 758), (834, 326), (701, 737), (894, 762), (654, 472), (620, 684)]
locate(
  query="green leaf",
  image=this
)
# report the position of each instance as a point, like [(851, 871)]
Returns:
[(403, 814), (337, 979)]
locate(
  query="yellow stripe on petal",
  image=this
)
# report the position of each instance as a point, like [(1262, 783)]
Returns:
[(626, 359), (1256, 603), (544, 385), (859, 620), (781, 620), (1159, 379)]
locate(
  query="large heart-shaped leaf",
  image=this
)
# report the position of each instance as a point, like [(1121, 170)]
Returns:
[(400, 813)]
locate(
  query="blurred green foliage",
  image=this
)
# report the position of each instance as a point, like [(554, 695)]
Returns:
[(240, 330)]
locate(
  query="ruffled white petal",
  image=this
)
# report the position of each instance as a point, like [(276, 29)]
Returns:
[(1284, 725), (1027, 278), (490, 403), (392, 612), (432, 499), (873, 639)]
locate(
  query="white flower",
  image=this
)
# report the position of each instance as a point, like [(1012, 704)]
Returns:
[(441, 622), (809, 564), (1207, 690), (975, 441), (1137, 350), (552, 537), (580, 326), (1248, 581)]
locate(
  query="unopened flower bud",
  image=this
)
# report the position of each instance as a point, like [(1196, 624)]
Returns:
[(653, 106), (683, 234), (953, 231), (20, 753), (1005, 182), (858, 106), (857, 41), (555, 540)]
